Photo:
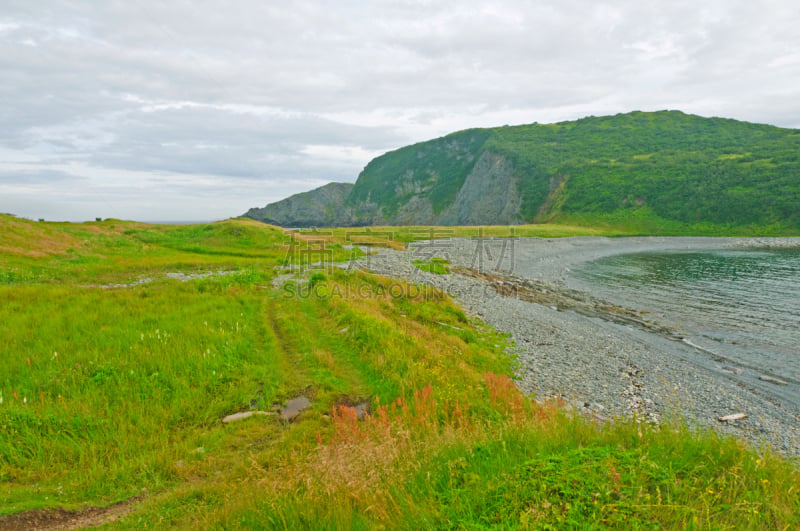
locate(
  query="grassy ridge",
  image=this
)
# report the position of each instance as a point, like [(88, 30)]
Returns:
[(111, 387)]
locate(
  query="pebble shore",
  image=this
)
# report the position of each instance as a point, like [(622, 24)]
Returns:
[(601, 366)]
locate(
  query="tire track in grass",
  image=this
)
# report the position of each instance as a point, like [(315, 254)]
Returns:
[(287, 350)]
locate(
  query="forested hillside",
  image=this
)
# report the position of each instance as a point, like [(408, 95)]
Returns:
[(666, 164)]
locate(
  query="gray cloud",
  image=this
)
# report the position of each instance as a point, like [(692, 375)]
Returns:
[(151, 102), (37, 177)]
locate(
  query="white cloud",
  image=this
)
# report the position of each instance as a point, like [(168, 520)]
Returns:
[(212, 107)]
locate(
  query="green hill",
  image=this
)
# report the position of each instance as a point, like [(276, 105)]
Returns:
[(665, 165), (661, 172)]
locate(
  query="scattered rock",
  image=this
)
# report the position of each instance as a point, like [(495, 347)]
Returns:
[(243, 415)]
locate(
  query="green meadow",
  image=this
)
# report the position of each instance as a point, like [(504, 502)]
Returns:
[(123, 346)]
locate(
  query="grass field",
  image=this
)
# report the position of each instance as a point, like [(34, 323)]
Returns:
[(124, 345)]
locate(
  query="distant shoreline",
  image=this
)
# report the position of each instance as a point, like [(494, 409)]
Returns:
[(603, 368)]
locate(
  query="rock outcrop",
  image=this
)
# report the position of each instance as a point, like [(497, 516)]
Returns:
[(323, 207), (488, 197)]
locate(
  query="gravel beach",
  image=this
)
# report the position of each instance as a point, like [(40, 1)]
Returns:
[(606, 364)]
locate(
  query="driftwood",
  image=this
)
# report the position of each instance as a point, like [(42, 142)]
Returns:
[(734, 416), (770, 379)]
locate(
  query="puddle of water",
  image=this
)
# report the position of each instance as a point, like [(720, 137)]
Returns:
[(294, 407), (183, 277)]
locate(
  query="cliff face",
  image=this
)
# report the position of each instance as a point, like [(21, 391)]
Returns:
[(488, 196), (659, 169)]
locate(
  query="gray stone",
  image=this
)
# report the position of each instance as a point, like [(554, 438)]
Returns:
[(243, 415)]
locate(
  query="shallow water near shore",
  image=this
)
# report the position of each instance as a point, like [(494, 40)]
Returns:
[(741, 305)]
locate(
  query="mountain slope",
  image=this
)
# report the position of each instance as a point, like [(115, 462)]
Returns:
[(660, 170)]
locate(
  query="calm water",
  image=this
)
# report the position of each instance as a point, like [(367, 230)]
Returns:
[(743, 305)]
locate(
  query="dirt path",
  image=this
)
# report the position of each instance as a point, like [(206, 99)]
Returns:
[(60, 519)]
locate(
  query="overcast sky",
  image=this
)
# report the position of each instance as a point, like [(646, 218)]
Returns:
[(199, 110)]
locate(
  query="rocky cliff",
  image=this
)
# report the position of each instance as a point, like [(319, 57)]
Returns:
[(323, 207), (447, 181), (489, 195)]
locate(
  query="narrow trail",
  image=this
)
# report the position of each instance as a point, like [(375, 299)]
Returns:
[(285, 349), (61, 519)]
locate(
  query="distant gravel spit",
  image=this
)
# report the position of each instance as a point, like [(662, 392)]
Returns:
[(604, 361)]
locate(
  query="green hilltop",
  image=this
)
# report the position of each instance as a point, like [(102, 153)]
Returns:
[(653, 172)]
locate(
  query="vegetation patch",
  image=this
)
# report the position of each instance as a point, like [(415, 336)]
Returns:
[(436, 265)]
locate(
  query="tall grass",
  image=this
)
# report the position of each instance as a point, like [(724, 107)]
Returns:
[(112, 388), (508, 462)]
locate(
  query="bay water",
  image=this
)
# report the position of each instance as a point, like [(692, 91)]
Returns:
[(741, 305)]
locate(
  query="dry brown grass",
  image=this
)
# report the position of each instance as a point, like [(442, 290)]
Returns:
[(21, 237), (365, 463)]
